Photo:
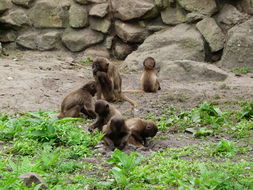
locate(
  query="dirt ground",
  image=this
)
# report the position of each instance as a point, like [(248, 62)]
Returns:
[(33, 81)]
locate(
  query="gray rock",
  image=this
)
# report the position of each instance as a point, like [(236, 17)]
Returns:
[(1, 48), (15, 18), (23, 3), (207, 7), (130, 9), (130, 32), (49, 14), (185, 70), (238, 48), (193, 17), (230, 16), (97, 1), (37, 41), (99, 10), (212, 34), (180, 42), (100, 24), (162, 4), (108, 42), (246, 6), (4, 5), (78, 40), (155, 25), (32, 178), (78, 16), (82, 2), (96, 51), (7, 36), (121, 50), (173, 16)]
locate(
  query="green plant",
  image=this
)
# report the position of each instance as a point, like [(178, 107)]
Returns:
[(87, 61), (240, 70), (225, 147)]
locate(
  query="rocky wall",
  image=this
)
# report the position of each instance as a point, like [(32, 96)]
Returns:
[(197, 30)]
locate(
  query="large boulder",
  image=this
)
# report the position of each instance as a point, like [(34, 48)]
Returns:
[(78, 40), (37, 41), (99, 10), (23, 3), (78, 16), (131, 9), (130, 32), (180, 42), (238, 48), (97, 1), (16, 18), (207, 7), (246, 6), (82, 2), (212, 34), (230, 16), (4, 5), (49, 14), (121, 50), (7, 36), (186, 70), (173, 16), (100, 24)]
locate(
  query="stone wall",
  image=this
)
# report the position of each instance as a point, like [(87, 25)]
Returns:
[(118, 27)]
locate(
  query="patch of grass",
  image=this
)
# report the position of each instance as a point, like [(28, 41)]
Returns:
[(87, 61), (240, 70)]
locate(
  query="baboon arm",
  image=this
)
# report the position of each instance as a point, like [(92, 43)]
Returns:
[(99, 91), (97, 124), (109, 142), (136, 135), (89, 111)]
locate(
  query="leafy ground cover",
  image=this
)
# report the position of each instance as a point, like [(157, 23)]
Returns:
[(63, 153)]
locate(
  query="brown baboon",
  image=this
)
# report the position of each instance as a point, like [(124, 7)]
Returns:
[(109, 81), (116, 133), (104, 112), (141, 129), (79, 101)]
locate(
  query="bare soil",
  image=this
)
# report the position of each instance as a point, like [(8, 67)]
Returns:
[(33, 81)]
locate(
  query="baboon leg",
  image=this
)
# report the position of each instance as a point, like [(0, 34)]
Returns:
[(73, 112)]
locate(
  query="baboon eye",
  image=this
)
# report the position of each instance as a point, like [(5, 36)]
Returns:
[(148, 127)]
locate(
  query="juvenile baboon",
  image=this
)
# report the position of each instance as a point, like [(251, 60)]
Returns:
[(141, 129), (104, 112), (109, 81), (149, 78), (79, 101), (116, 133)]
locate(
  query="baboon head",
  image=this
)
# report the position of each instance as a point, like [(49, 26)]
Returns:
[(91, 87), (102, 107), (149, 63), (100, 64)]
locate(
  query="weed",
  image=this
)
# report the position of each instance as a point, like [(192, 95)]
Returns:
[(87, 61), (240, 70)]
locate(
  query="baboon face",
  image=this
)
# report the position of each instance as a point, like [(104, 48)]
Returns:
[(91, 87), (117, 123), (102, 107), (149, 63), (100, 64), (150, 129)]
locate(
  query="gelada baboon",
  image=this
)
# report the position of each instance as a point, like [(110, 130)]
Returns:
[(104, 112), (79, 101), (109, 81), (116, 133), (149, 78), (140, 130)]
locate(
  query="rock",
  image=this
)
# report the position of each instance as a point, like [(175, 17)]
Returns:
[(4, 5), (230, 16), (49, 14), (155, 25), (185, 70), (23, 3), (173, 16), (131, 9), (238, 48), (97, 1), (82, 2), (78, 16), (1, 48), (206, 7), (99, 10), (36, 41), (108, 42), (16, 18), (162, 4), (180, 42), (212, 34), (121, 50), (97, 51), (193, 17), (32, 178), (130, 32), (78, 40), (100, 24), (246, 6), (7, 36)]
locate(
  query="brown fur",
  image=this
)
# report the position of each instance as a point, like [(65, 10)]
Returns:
[(104, 112), (109, 81), (149, 78), (140, 130), (79, 101), (116, 133)]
